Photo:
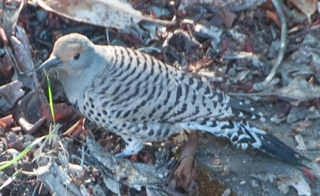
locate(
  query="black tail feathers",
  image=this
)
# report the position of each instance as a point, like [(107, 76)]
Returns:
[(267, 143), (276, 148)]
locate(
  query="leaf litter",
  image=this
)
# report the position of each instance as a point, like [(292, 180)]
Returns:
[(233, 54)]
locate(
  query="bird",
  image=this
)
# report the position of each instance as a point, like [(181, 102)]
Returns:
[(142, 99)]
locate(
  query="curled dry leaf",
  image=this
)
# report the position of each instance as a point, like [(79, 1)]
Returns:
[(24, 68), (22, 50), (106, 13), (30, 105), (298, 183)]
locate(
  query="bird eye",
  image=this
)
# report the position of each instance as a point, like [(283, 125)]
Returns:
[(77, 56)]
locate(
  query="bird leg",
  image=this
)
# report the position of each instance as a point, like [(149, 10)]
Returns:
[(133, 146)]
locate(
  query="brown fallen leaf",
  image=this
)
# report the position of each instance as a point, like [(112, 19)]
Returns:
[(106, 13), (196, 66), (7, 120), (228, 17), (273, 16), (186, 170), (62, 112), (233, 5), (14, 143), (308, 7), (6, 64), (29, 107), (24, 68), (298, 183), (22, 50)]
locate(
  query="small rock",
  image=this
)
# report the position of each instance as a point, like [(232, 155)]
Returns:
[(283, 188), (313, 113), (254, 184), (296, 114)]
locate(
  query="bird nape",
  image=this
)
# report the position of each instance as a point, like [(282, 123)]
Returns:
[(142, 99)]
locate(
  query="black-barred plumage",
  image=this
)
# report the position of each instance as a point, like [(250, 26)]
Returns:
[(142, 99)]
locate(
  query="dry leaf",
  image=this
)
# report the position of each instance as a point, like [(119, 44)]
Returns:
[(24, 68), (228, 17), (10, 93), (106, 13), (7, 120), (184, 171), (196, 66), (233, 5), (298, 183), (300, 141), (308, 7), (297, 91)]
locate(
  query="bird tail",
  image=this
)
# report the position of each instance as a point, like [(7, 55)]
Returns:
[(242, 134), (242, 111)]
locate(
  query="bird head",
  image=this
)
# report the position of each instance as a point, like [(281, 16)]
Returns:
[(71, 54)]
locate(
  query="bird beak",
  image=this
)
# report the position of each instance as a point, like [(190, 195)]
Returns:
[(51, 62)]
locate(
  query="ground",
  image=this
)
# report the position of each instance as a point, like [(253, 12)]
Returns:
[(233, 46), (245, 167)]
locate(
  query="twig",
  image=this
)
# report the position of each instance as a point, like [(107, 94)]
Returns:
[(260, 86)]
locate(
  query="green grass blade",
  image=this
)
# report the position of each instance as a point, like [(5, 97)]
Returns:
[(50, 101)]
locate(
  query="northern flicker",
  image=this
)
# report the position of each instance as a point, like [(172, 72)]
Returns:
[(142, 99)]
